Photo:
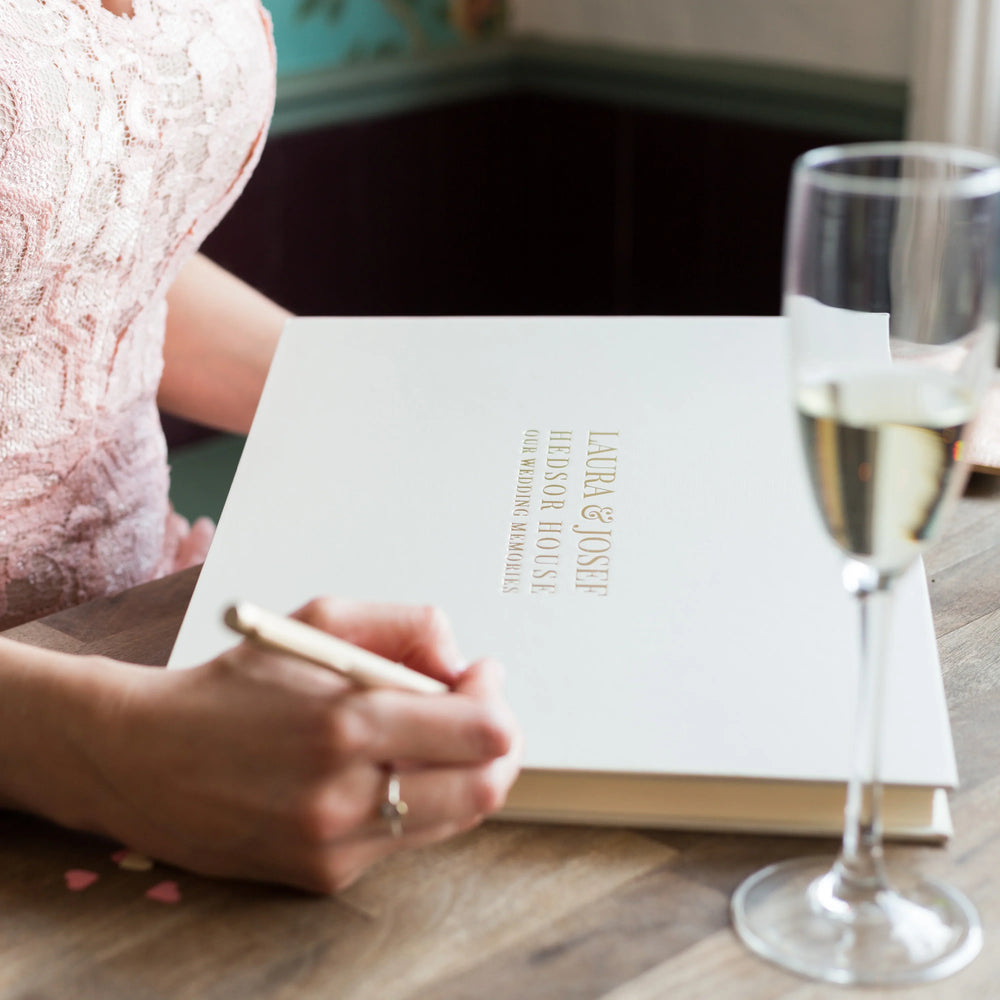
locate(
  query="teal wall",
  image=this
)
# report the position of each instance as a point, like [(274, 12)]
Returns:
[(313, 35), (347, 60)]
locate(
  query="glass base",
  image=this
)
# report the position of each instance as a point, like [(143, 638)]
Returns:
[(787, 914)]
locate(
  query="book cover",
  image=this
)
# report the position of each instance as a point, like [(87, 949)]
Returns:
[(617, 510)]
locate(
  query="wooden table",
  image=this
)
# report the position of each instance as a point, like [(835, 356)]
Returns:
[(507, 911)]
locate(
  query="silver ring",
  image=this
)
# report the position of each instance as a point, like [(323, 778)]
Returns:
[(393, 809)]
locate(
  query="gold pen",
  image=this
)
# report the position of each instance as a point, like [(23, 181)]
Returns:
[(286, 635)]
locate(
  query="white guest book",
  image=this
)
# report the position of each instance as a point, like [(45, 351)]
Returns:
[(616, 509)]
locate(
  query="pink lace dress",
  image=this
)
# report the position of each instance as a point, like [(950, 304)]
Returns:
[(123, 141)]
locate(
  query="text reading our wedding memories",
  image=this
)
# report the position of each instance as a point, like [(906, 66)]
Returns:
[(561, 533)]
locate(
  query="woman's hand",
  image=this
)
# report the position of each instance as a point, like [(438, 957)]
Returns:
[(256, 765)]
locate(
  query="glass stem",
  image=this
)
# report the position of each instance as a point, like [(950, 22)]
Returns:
[(860, 871)]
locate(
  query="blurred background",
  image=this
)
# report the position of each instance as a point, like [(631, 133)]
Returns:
[(434, 157)]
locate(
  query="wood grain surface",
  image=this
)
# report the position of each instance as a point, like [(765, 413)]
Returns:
[(506, 911)]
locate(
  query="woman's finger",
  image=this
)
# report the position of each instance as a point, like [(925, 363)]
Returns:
[(419, 636), (342, 865), (453, 728), (425, 806), (428, 799), (482, 680)]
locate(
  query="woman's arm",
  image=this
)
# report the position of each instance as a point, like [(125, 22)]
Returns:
[(46, 703), (221, 335), (256, 765)]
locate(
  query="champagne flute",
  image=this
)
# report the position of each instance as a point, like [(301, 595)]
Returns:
[(890, 292)]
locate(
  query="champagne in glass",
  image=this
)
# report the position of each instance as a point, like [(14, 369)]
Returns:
[(884, 456), (890, 291)]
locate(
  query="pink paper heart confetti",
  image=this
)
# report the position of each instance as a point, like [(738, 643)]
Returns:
[(164, 892), (78, 879)]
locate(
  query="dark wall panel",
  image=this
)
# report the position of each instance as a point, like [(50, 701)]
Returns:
[(519, 204), (496, 206), (709, 226)]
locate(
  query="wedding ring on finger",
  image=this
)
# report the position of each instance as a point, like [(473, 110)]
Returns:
[(393, 809)]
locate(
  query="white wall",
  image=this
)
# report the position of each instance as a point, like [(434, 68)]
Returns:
[(860, 37)]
